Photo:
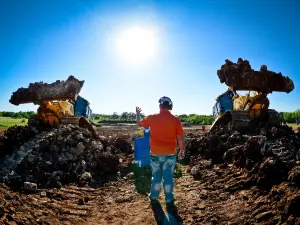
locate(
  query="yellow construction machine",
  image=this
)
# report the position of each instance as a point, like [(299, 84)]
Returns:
[(59, 103), (246, 112)]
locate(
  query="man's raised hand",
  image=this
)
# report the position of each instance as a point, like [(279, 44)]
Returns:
[(138, 110)]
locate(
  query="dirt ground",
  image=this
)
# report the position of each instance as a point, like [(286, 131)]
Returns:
[(206, 201), (219, 196), (122, 202)]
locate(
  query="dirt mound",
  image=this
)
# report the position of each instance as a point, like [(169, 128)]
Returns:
[(212, 145), (14, 137), (284, 208), (61, 156), (268, 158), (268, 162), (229, 195)]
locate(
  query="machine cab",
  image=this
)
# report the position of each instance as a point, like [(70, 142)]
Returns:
[(224, 103), (81, 108)]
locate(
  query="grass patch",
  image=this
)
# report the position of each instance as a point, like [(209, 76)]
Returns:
[(6, 122), (294, 125)]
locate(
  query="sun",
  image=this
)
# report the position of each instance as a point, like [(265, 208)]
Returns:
[(137, 45)]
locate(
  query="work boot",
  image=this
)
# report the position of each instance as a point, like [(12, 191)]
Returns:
[(157, 211), (172, 209)]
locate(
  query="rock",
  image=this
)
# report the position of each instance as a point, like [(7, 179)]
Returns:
[(30, 186), (43, 194), (130, 175), (60, 138), (70, 140), (79, 149), (97, 145), (66, 130), (264, 216), (86, 132), (79, 137), (223, 196), (59, 131), (197, 171), (86, 176), (83, 165)]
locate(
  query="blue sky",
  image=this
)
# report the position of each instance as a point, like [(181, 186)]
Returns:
[(47, 40)]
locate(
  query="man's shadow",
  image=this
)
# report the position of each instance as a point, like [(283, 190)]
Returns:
[(172, 217), (142, 178)]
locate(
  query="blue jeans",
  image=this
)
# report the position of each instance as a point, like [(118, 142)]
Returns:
[(162, 167)]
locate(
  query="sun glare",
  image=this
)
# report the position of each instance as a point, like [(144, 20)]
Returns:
[(137, 45)]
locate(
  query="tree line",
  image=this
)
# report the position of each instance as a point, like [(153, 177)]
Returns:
[(292, 117), (125, 116), (17, 115), (131, 117), (289, 117)]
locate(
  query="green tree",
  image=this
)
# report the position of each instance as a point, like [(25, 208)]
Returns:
[(115, 116), (288, 117), (124, 116)]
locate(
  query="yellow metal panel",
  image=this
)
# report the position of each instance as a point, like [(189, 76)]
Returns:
[(51, 112)]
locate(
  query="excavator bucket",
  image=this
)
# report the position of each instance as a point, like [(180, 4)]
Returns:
[(81, 122), (86, 124), (240, 76), (238, 120), (39, 92), (221, 121)]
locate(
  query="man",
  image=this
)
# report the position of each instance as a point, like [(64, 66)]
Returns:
[(165, 131)]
